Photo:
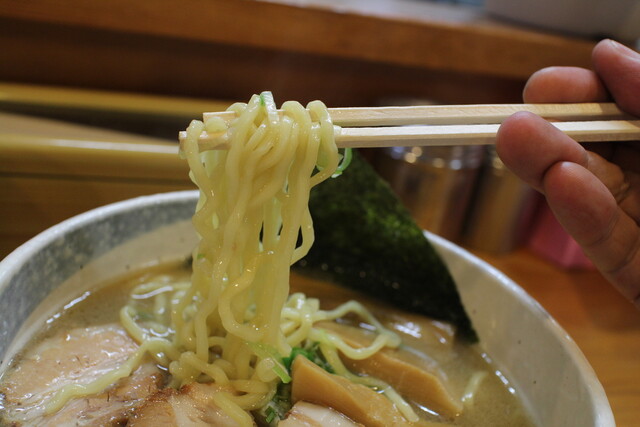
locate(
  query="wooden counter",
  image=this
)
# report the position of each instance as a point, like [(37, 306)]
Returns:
[(345, 52), (604, 325)]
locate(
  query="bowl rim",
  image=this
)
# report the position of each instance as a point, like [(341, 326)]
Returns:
[(11, 264), (603, 414)]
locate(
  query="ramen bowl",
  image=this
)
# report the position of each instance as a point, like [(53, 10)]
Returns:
[(539, 359)]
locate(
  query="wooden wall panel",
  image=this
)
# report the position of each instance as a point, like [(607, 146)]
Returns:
[(73, 56)]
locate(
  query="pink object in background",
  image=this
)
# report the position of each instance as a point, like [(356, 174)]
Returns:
[(550, 241)]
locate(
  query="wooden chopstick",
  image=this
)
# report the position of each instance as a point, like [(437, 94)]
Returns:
[(458, 124), (458, 114), (587, 131)]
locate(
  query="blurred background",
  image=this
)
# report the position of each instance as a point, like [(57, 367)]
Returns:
[(93, 93)]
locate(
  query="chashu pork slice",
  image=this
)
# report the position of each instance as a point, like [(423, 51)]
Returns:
[(78, 356), (305, 414), (190, 406)]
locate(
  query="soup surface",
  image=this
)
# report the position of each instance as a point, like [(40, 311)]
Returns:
[(483, 393)]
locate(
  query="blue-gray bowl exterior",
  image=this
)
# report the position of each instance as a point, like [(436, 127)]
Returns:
[(72, 244)]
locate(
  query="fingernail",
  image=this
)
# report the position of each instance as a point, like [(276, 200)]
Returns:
[(624, 50)]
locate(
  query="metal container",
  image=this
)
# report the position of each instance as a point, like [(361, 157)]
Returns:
[(435, 183), (502, 209)]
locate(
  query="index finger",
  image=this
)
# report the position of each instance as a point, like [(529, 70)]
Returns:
[(564, 84)]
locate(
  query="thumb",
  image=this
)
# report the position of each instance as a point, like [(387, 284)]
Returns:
[(619, 68)]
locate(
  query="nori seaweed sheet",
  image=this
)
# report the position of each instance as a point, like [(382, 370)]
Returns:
[(367, 240)]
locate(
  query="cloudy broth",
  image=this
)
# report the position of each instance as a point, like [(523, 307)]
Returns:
[(488, 399)]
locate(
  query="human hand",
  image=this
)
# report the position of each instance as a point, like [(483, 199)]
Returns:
[(593, 190)]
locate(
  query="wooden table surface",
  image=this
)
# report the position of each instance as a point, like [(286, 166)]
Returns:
[(604, 325)]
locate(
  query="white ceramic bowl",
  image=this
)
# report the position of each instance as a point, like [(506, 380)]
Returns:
[(530, 349)]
